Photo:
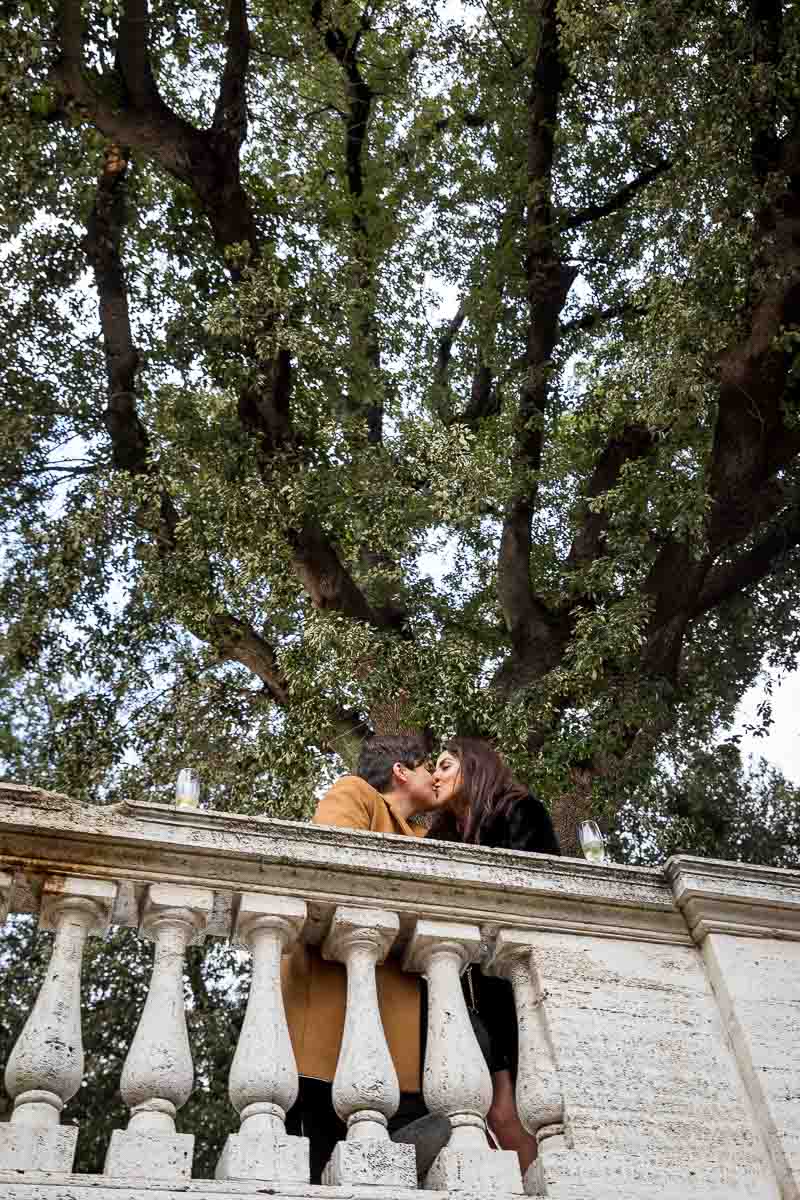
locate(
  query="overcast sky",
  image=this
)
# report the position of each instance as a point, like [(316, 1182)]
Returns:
[(782, 744)]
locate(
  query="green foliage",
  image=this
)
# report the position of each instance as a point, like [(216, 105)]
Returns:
[(118, 666), (712, 804)]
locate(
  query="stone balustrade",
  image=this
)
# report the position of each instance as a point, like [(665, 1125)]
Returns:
[(658, 1010)]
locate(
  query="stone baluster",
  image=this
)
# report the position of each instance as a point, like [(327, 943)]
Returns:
[(365, 1088), (263, 1079), (456, 1080), (540, 1103), (158, 1075), (46, 1065)]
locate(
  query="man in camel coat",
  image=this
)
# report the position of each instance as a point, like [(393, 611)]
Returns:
[(393, 785)]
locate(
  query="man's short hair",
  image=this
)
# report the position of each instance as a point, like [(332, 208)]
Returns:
[(379, 754)]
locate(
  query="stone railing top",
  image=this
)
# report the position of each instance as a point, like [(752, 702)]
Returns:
[(43, 833)]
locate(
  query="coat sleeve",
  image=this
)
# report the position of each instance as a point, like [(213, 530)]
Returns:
[(530, 828), (346, 804)]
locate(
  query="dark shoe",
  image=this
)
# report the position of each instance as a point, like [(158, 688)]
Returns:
[(428, 1136)]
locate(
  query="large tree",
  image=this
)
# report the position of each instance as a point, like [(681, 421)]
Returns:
[(295, 294)]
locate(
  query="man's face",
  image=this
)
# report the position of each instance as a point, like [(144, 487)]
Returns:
[(419, 782)]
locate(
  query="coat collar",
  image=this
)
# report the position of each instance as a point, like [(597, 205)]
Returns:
[(409, 830)]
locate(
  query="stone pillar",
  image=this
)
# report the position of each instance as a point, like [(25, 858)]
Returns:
[(746, 921), (540, 1103), (456, 1080), (365, 1088), (263, 1078), (158, 1075), (46, 1065)]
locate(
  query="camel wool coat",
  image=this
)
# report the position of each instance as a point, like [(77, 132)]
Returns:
[(315, 991)]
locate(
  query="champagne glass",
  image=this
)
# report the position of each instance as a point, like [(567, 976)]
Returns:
[(592, 842), (187, 789)]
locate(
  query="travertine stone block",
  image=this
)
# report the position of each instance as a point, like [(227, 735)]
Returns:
[(37, 1147), (150, 1155), (487, 1173), (6, 884), (653, 1104), (271, 1157), (372, 1161), (757, 983)]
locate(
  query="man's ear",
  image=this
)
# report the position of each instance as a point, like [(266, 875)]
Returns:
[(399, 773)]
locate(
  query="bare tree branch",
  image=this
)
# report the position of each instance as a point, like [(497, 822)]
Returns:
[(619, 200)]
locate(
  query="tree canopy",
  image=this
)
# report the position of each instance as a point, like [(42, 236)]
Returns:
[(299, 298)]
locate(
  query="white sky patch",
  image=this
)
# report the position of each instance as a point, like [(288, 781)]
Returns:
[(781, 744)]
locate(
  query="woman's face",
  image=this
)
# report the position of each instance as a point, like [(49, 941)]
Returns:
[(447, 777)]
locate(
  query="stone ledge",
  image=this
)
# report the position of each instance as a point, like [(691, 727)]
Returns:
[(135, 844), (40, 1185), (735, 898)]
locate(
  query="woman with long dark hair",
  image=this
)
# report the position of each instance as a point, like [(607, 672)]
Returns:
[(484, 805)]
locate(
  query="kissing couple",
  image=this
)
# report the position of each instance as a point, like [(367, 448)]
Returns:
[(471, 796)]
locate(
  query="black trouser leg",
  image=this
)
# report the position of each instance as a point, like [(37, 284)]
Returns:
[(313, 1116)]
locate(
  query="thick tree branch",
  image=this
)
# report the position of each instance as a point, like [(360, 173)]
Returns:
[(235, 639), (359, 98), (766, 22), (589, 544), (444, 353), (208, 162), (753, 565), (530, 626), (230, 114), (598, 316), (617, 201), (133, 57)]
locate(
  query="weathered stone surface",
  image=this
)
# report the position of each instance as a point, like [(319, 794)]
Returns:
[(273, 1158), (661, 1005), (653, 1103), (263, 1079), (158, 1074), (757, 982), (365, 1087), (225, 852), (37, 1147), (88, 1187), (491, 1174), (372, 1160), (45, 1067), (149, 1155)]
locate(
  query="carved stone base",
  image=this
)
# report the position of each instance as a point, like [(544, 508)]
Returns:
[(483, 1171), (151, 1155), (42, 1148), (372, 1160), (282, 1158)]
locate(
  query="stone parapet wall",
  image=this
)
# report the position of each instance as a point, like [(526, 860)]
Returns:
[(659, 1008)]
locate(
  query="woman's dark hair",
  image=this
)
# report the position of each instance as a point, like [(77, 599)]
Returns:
[(488, 790)]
